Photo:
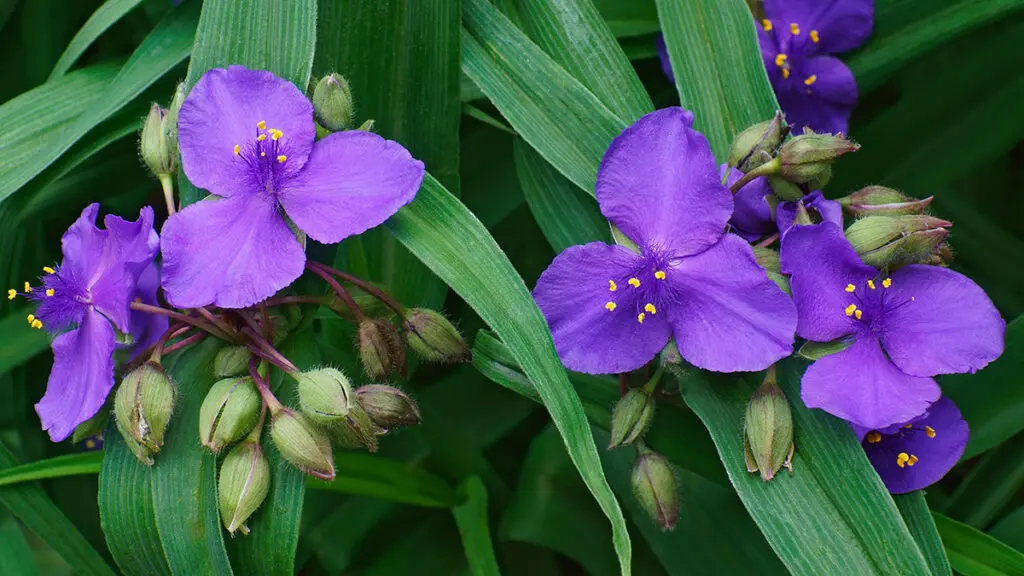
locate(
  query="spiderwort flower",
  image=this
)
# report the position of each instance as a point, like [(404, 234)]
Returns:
[(918, 453), (611, 309), (902, 328), (82, 301), (819, 208), (752, 213), (815, 90), (247, 137)]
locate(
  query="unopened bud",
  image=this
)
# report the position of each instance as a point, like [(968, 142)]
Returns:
[(325, 395), (654, 486), (769, 260), (807, 159), (380, 348), (768, 430), (243, 484), (367, 126), (229, 412), (153, 145), (631, 417), (143, 407), (171, 122), (303, 444), (231, 361), (332, 103), (882, 201), (388, 407), (356, 430), (757, 144), (895, 241), (434, 338)]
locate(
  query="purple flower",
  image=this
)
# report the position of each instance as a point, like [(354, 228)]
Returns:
[(902, 328), (752, 214), (247, 137), (918, 453), (611, 309), (814, 90), (82, 301), (819, 208), (666, 64), (147, 328)]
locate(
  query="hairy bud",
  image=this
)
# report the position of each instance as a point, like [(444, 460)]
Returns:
[(325, 395), (807, 159), (654, 486), (380, 349), (358, 429), (154, 146), (302, 444), (882, 201), (768, 430), (388, 407), (434, 338), (895, 241), (631, 417), (229, 412), (231, 361), (757, 144), (143, 407), (332, 102), (243, 484)]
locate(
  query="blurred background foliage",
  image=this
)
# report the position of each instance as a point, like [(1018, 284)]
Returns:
[(940, 114)]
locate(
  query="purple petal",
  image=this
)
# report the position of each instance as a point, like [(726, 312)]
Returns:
[(353, 181), (666, 64), (231, 253), (823, 106), (223, 110), (938, 321), (146, 328), (727, 315), (821, 264), (81, 378), (752, 216), (862, 386), (574, 293), (821, 209), (936, 443), (841, 25), (659, 183)]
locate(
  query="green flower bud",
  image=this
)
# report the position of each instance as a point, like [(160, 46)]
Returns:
[(171, 122), (768, 430), (895, 241), (380, 349), (388, 407), (153, 145), (229, 412), (434, 338), (357, 430), (325, 395), (807, 159), (303, 444), (92, 427), (243, 484), (332, 103), (633, 414), (882, 201), (783, 189), (143, 407), (757, 144), (654, 486), (367, 126), (231, 361), (769, 260)]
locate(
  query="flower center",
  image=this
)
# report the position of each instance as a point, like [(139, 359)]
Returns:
[(903, 459), (264, 154), (638, 293), (62, 300), (869, 302), (790, 41)]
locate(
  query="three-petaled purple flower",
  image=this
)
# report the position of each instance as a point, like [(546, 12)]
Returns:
[(752, 216), (814, 90), (915, 454), (247, 136), (611, 309), (902, 328), (82, 301)]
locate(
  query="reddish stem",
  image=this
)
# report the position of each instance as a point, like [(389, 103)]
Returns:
[(338, 289), (185, 342), (767, 241), (362, 285)]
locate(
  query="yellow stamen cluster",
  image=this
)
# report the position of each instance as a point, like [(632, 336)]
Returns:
[(28, 287), (887, 283), (659, 274), (852, 310), (634, 282), (767, 25), (612, 286), (262, 124), (48, 270), (49, 291), (650, 308), (238, 149), (850, 287), (275, 134), (261, 137), (34, 322), (610, 306), (640, 317), (281, 158), (873, 437), (904, 459), (11, 294), (780, 60), (814, 36), (810, 79), (871, 284), (794, 29), (785, 73), (929, 431)]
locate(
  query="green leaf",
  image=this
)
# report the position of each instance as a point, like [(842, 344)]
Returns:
[(379, 477), (989, 486), (16, 558), (922, 527), (974, 553), (633, 18), (28, 343), (67, 465), (566, 123), (103, 18), (718, 69), (439, 230), (471, 518), (833, 514), (39, 514)]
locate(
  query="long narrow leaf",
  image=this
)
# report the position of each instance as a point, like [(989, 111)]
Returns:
[(103, 18), (471, 518)]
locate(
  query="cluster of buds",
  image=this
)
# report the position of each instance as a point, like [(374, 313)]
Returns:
[(893, 229)]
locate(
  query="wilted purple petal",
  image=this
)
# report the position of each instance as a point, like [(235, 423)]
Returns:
[(353, 181), (938, 321), (82, 376), (726, 314), (659, 183), (752, 215), (231, 253), (819, 208)]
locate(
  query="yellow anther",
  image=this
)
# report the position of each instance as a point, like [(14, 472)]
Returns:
[(929, 431), (902, 458), (874, 437), (851, 309), (871, 284), (659, 274), (49, 291), (810, 79), (858, 314), (633, 282), (610, 306), (850, 287), (31, 318), (908, 426), (262, 154), (275, 133), (650, 308), (261, 137), (28, 287), (785, 73), (37, 324), (281, 158), (912, 460), (640, 317), (238, 149), (767, 25), (887, 283), (814, 36), (612, 286), (780, 60), (794, 28), (48, 270), (90, 444), (11, 294), (262, 124)]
